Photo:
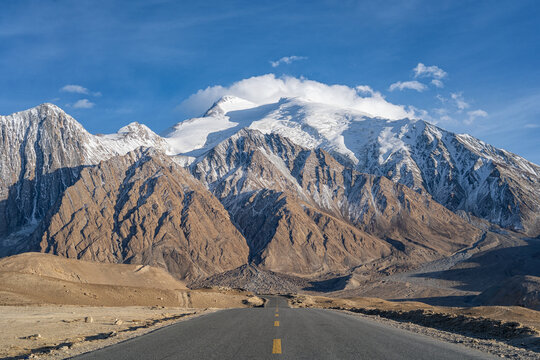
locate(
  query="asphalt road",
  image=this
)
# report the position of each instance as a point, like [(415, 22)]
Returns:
[(279, 332)]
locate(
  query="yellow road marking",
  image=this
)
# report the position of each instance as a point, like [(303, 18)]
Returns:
[(276, 347), (277, 315), (276, 323)]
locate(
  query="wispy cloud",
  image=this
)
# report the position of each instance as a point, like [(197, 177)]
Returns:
[(532, 126), (421, 71), (437, 83), (287, 60), (473, 115), (412, 85), (433, 71), (459, 100), (78, 89), (83, 104), (365, 89)]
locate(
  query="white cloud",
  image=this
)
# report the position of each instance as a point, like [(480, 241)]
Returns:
[(441, 98), (459, 100), (433, 71), (412, 85), (473, 115), (78, 89), (437, 83), (440, 111), (267, 89), (287, 60), (365, 89), (83, 104), (532, 126), (446, 118)]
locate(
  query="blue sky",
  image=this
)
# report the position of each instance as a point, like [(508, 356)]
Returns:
[(139, 60)]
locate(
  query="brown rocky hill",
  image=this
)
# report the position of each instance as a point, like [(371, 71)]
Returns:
[(142, 208)]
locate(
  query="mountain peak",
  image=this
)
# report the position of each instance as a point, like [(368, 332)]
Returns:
[(135, 127), (229, 103), (42, 108), (49, 106)]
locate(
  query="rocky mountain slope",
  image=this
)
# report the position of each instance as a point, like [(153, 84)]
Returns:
[(303, 212), (142, 208)]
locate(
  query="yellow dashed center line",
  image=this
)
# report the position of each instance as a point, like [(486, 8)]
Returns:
[(277, 315), (276, 323), (276, 347)]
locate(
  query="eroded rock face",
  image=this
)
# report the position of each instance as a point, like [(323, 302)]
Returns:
[(304, 213), (142, 208)]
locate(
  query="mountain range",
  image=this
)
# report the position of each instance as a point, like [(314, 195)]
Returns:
[(293, 188)]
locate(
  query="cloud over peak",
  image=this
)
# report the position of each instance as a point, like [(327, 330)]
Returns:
[(267, 89)]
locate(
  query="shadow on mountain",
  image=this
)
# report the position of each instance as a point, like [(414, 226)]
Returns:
[(452, 301), (257, 219), (492, 267), (243, 119), (329, 285), (27, 203)]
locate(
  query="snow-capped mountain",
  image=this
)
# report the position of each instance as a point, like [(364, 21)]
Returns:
[(43, 151), (303, 212), (459, 171), (293, 176)]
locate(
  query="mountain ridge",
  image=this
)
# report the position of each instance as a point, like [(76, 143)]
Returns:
[(303, 210)]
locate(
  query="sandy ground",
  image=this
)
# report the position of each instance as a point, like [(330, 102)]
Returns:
[(54, 307), (57, 332)]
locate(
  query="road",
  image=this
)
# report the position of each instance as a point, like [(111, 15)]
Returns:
[(279, 332)]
